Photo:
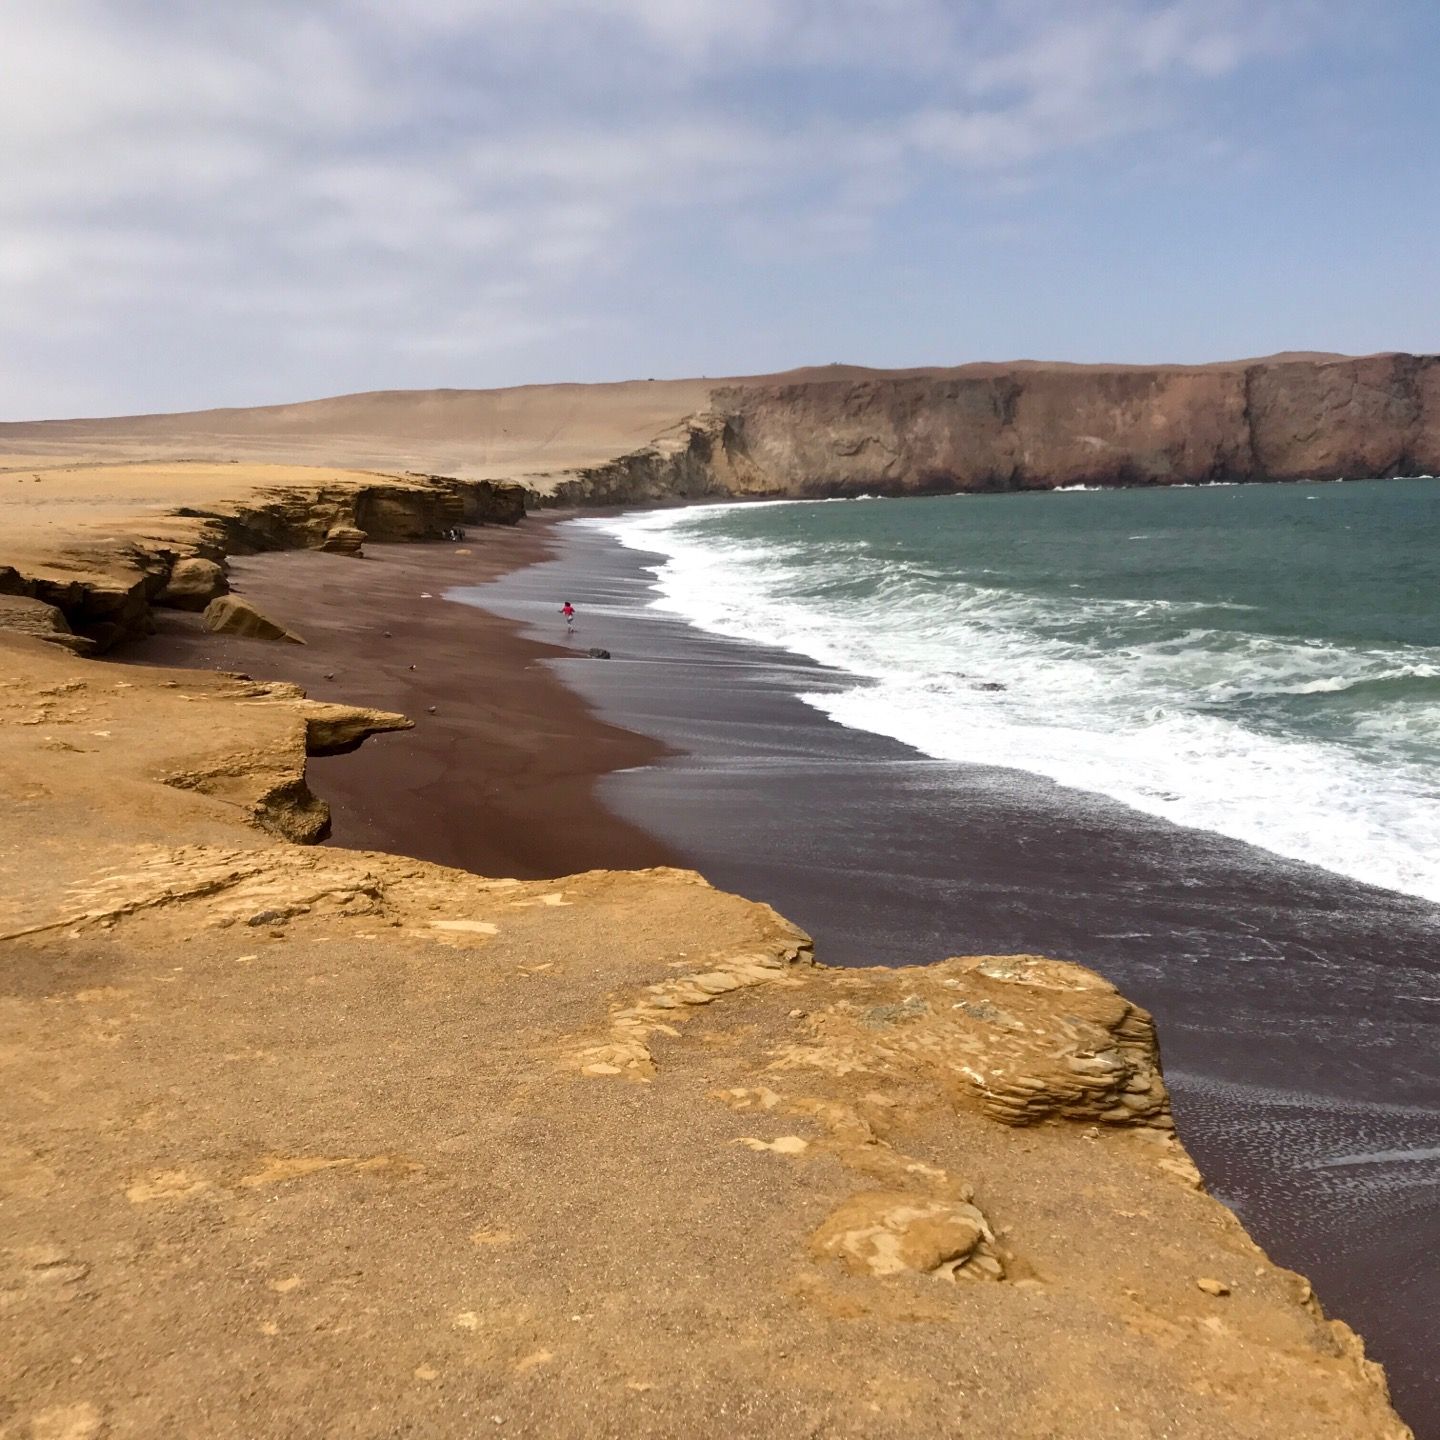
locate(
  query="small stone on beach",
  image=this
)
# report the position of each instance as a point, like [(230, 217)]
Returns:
[(1213, 1287)]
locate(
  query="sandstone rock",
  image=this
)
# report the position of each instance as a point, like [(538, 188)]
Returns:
[(46, 622), (1015, 427), (426, 1059), (343, 540), (888, 1232), (230, 615), (1213, 1287), (193, 584), (391, 514), (338, 729)]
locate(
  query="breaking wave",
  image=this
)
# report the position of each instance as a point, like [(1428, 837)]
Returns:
[(1315, 749)]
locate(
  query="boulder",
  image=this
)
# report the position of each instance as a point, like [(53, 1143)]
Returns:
[(46, 622), (230, 615), (193, 584), (596, 653), (343, 540)]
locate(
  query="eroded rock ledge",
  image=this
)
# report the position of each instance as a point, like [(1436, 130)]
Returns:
[(101, 581), (315, 1141)]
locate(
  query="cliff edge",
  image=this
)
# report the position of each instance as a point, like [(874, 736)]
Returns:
[(1051, 426), (829, 430), (312, 1141), (1028, 427)]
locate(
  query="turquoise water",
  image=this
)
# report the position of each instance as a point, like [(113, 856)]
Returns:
[(1260, 661)]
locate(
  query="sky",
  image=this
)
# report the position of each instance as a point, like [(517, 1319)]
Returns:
[(271, 200)]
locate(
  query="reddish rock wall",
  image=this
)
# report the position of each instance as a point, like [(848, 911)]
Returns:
[(1002, 428)]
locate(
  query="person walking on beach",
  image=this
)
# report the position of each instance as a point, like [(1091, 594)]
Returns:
[(568, 611)]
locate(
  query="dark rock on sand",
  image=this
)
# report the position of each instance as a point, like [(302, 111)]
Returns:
[(344, 540)]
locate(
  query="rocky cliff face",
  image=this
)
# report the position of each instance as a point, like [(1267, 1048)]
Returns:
[(697, 459), (836, 430), (101, 591), (1014, 428)]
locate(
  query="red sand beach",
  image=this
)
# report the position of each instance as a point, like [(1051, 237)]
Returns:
[(498, 780)]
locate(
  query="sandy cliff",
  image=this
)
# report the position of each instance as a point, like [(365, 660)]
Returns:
[(91, 549), (311, 1141)]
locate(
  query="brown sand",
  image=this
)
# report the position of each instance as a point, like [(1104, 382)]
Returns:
[(499, 779)]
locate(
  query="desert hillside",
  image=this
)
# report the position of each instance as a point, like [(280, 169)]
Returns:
[(826, 430)]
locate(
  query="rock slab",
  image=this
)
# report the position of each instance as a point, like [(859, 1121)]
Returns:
[(230, 615), (344, 540)]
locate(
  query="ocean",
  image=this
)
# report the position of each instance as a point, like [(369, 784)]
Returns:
[(1258, 661)]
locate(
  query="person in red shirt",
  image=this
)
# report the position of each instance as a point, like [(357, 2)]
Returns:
[(568, 611)]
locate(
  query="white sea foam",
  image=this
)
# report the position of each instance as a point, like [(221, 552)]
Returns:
[(1000, 677)]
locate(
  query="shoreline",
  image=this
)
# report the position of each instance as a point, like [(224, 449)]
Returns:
[(500, 780)]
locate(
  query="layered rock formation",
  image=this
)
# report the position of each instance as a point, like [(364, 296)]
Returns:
[(1050, 426), (311, 1141), (103, 545), (24, 615), (828, 430), (995, 427)]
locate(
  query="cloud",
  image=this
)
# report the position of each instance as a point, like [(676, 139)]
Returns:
[(455, 177)]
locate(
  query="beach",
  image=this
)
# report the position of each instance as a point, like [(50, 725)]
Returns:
[(1292, 1003), (499, 778)]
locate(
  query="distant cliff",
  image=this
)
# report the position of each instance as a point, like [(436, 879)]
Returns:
[(1032, 426), (827, 430)]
